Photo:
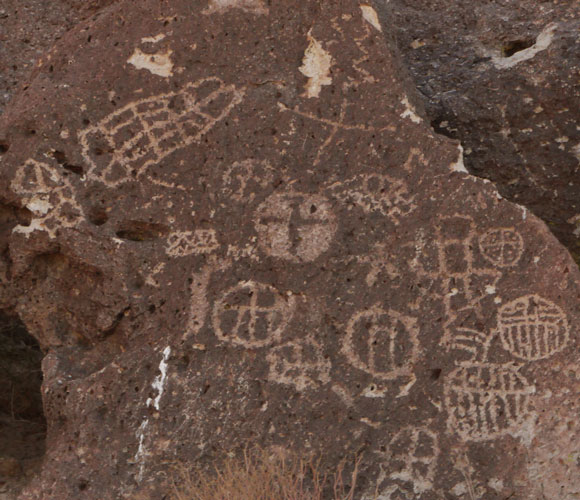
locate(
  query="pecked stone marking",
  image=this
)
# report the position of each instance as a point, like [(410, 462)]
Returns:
[(159, 64), (502, 246), (200, 241), (252, 315), (382, 343), (295, 227), (125, 143), (532, 328), (316, 67)]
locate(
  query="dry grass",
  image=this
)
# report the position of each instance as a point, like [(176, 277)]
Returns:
[(267, 475)]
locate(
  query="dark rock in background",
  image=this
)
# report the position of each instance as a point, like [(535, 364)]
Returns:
[(232, 225), (503, 77)]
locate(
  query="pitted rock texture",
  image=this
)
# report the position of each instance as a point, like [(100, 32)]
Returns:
[(234, 226), (503, 77)]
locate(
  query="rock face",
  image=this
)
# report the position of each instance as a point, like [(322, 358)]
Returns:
[(503, 77), (234, 226)]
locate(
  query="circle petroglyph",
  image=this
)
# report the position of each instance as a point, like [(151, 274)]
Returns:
[(382, 343), (502, 246), (532, 327), (485, 400), (252, 315), (295, 227)]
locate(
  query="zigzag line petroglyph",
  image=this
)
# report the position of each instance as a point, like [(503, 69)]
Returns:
[(124, 144)]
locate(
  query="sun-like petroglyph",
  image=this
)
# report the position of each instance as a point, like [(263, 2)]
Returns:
[(252, 315), (376, 193), (297, 227), (243, 179), (383, 343), (124, 144), (410, 463), (485, 401), (49, 195), (464, 284), (199, 241), (532, 327), (502, 246), (300, 363)]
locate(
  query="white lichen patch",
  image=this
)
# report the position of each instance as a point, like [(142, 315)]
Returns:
[(252, 6), (459, 165), (543, 41), (159, 64), (409, 111), (39, 206), (316, 67), (370, 15)]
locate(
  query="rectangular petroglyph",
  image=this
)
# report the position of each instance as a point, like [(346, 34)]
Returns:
[(200, 241)]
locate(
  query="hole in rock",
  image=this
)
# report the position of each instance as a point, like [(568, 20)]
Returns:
[(97, 216), (511, 48), (22, 422), (4, 146), (141, 231), (61, 158)]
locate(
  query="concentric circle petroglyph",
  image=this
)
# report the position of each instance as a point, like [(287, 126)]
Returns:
[(502, 246), (532, 327), (252, 315), (296, 227), (383, 343)]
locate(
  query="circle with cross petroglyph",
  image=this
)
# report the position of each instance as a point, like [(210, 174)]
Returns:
[(296, 227), (502, 246), (252, 315)]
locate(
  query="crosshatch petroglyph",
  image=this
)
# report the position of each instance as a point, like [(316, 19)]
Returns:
[(533, 328), (252, 315), (295, 227), (382, 343), (502, 246), (300, 363), (409, 465), (49, 195), (124, 144), (377, 193), (199, 241)]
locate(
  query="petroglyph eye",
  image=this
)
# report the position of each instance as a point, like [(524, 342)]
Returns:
[(382, 343), (533, 328), (485, 401), (252, 315), (289, 228), (502, 247)]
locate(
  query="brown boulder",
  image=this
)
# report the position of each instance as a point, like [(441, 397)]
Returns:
[(233, 226)]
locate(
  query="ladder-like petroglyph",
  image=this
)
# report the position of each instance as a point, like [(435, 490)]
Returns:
[(123, 145), (383, 343), (252, 315), (503, 247), (294, 226), (532, 327), (199, 241)]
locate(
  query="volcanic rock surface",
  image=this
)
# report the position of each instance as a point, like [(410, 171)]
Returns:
[(503, 77), (233, 225)]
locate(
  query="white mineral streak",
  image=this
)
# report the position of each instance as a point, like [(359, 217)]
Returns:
[(459, 165), (370, 15), (409, 111), (542, 43), (251, 6), (153, 39), (159, 64), (316, 67), (159, 382)]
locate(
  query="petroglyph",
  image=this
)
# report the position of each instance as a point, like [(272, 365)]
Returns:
[(300, 363), (49, 195), (376, 193), (123, 145), (296, 227), (485, 401), (316, 67), (252, 315), (243, 179), (200, 241), (502, 246), (533, 328), (383, 343), (252, 6), (410, 463)]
